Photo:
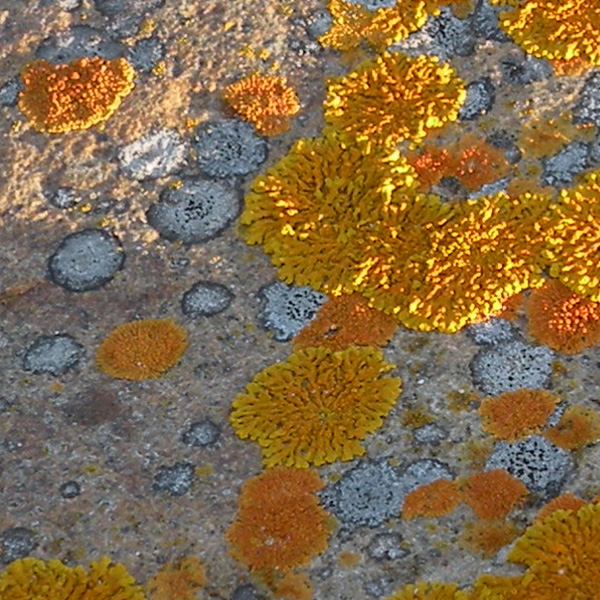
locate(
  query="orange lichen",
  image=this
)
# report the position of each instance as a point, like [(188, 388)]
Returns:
[(178, 581), (78, 95), (316, 407), (563, 502), (432, 500), (514, 415), (280, 524), (563, 320), (578, 427), (511, 307), (292, 586), (493, 494), (555, 29), (344, 321), (30, 578), (478, 163), (431, 163), (484, 252), (487, 537), (573, 67), (573, 242), (562, 554), (141, 349), (352, 23), (299, 211), (394, 97), (429, 591), (266, 101)]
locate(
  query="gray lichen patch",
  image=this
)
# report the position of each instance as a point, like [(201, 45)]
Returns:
[(86, 260), (206, 298), (510, 366), (491, 332), (481, 95), (147, 53), (52, 354), (197, 211), (560, 169), (286, 309), (587, 108), (16, 542), (154, 155), (176, 480), (539, 464), (228, 147), (201, 433)]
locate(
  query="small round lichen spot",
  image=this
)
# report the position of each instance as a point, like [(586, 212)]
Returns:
[(266, 101), (78, 95), (141, 349), (316, 407)]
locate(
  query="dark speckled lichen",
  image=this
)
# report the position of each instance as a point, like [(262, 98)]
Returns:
[(15, 543)]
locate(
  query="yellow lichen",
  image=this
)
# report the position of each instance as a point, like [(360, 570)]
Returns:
[(555, 29), (578, 427), (486, 251), (141, 349), (563, 502), (317, 211), (563, 320), (33, 579), (316, 407), (280, 524), (429, 591), (573, 242), (178, 581), (266, 101), (517, 414), (344, 321), (78, 95), (493, 494), (393, 98), (353, 23), (432, 500)]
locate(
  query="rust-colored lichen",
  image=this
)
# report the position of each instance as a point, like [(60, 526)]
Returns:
[(563, 320), (280, 524), (141, 349), (573, 242), (563, 502), (555, 29), (178, 581), (33, 579), (429, 591), (514, 415), (432, 500), (352, 23), (431, 163), (578, 427), (266, 101), (292, 586), (488, 537), (493, 494), (78, 95), (316, 407), (394, 97), (344, 321)]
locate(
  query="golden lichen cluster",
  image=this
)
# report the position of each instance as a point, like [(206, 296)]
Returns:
[(517, 414), (429, 591), (266, 101), (178, 581), (555, 29), (353, 23), (573, 242), (317, 406), (344, 321), (563, 320), (141, 349), (280, 524), (78, 95), (33, 579), (394, 97)]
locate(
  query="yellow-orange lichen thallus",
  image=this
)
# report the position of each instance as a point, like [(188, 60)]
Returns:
[(78, 95)]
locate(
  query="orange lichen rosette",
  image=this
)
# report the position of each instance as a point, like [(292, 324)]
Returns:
[(78, 95), (141, 349), (578, 427), (181, 580), (280, 524), (394, 97), (562, 319), (493, 494), (266, 101), (434, 499), (555, 29), (33, 579), (316, 407)]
